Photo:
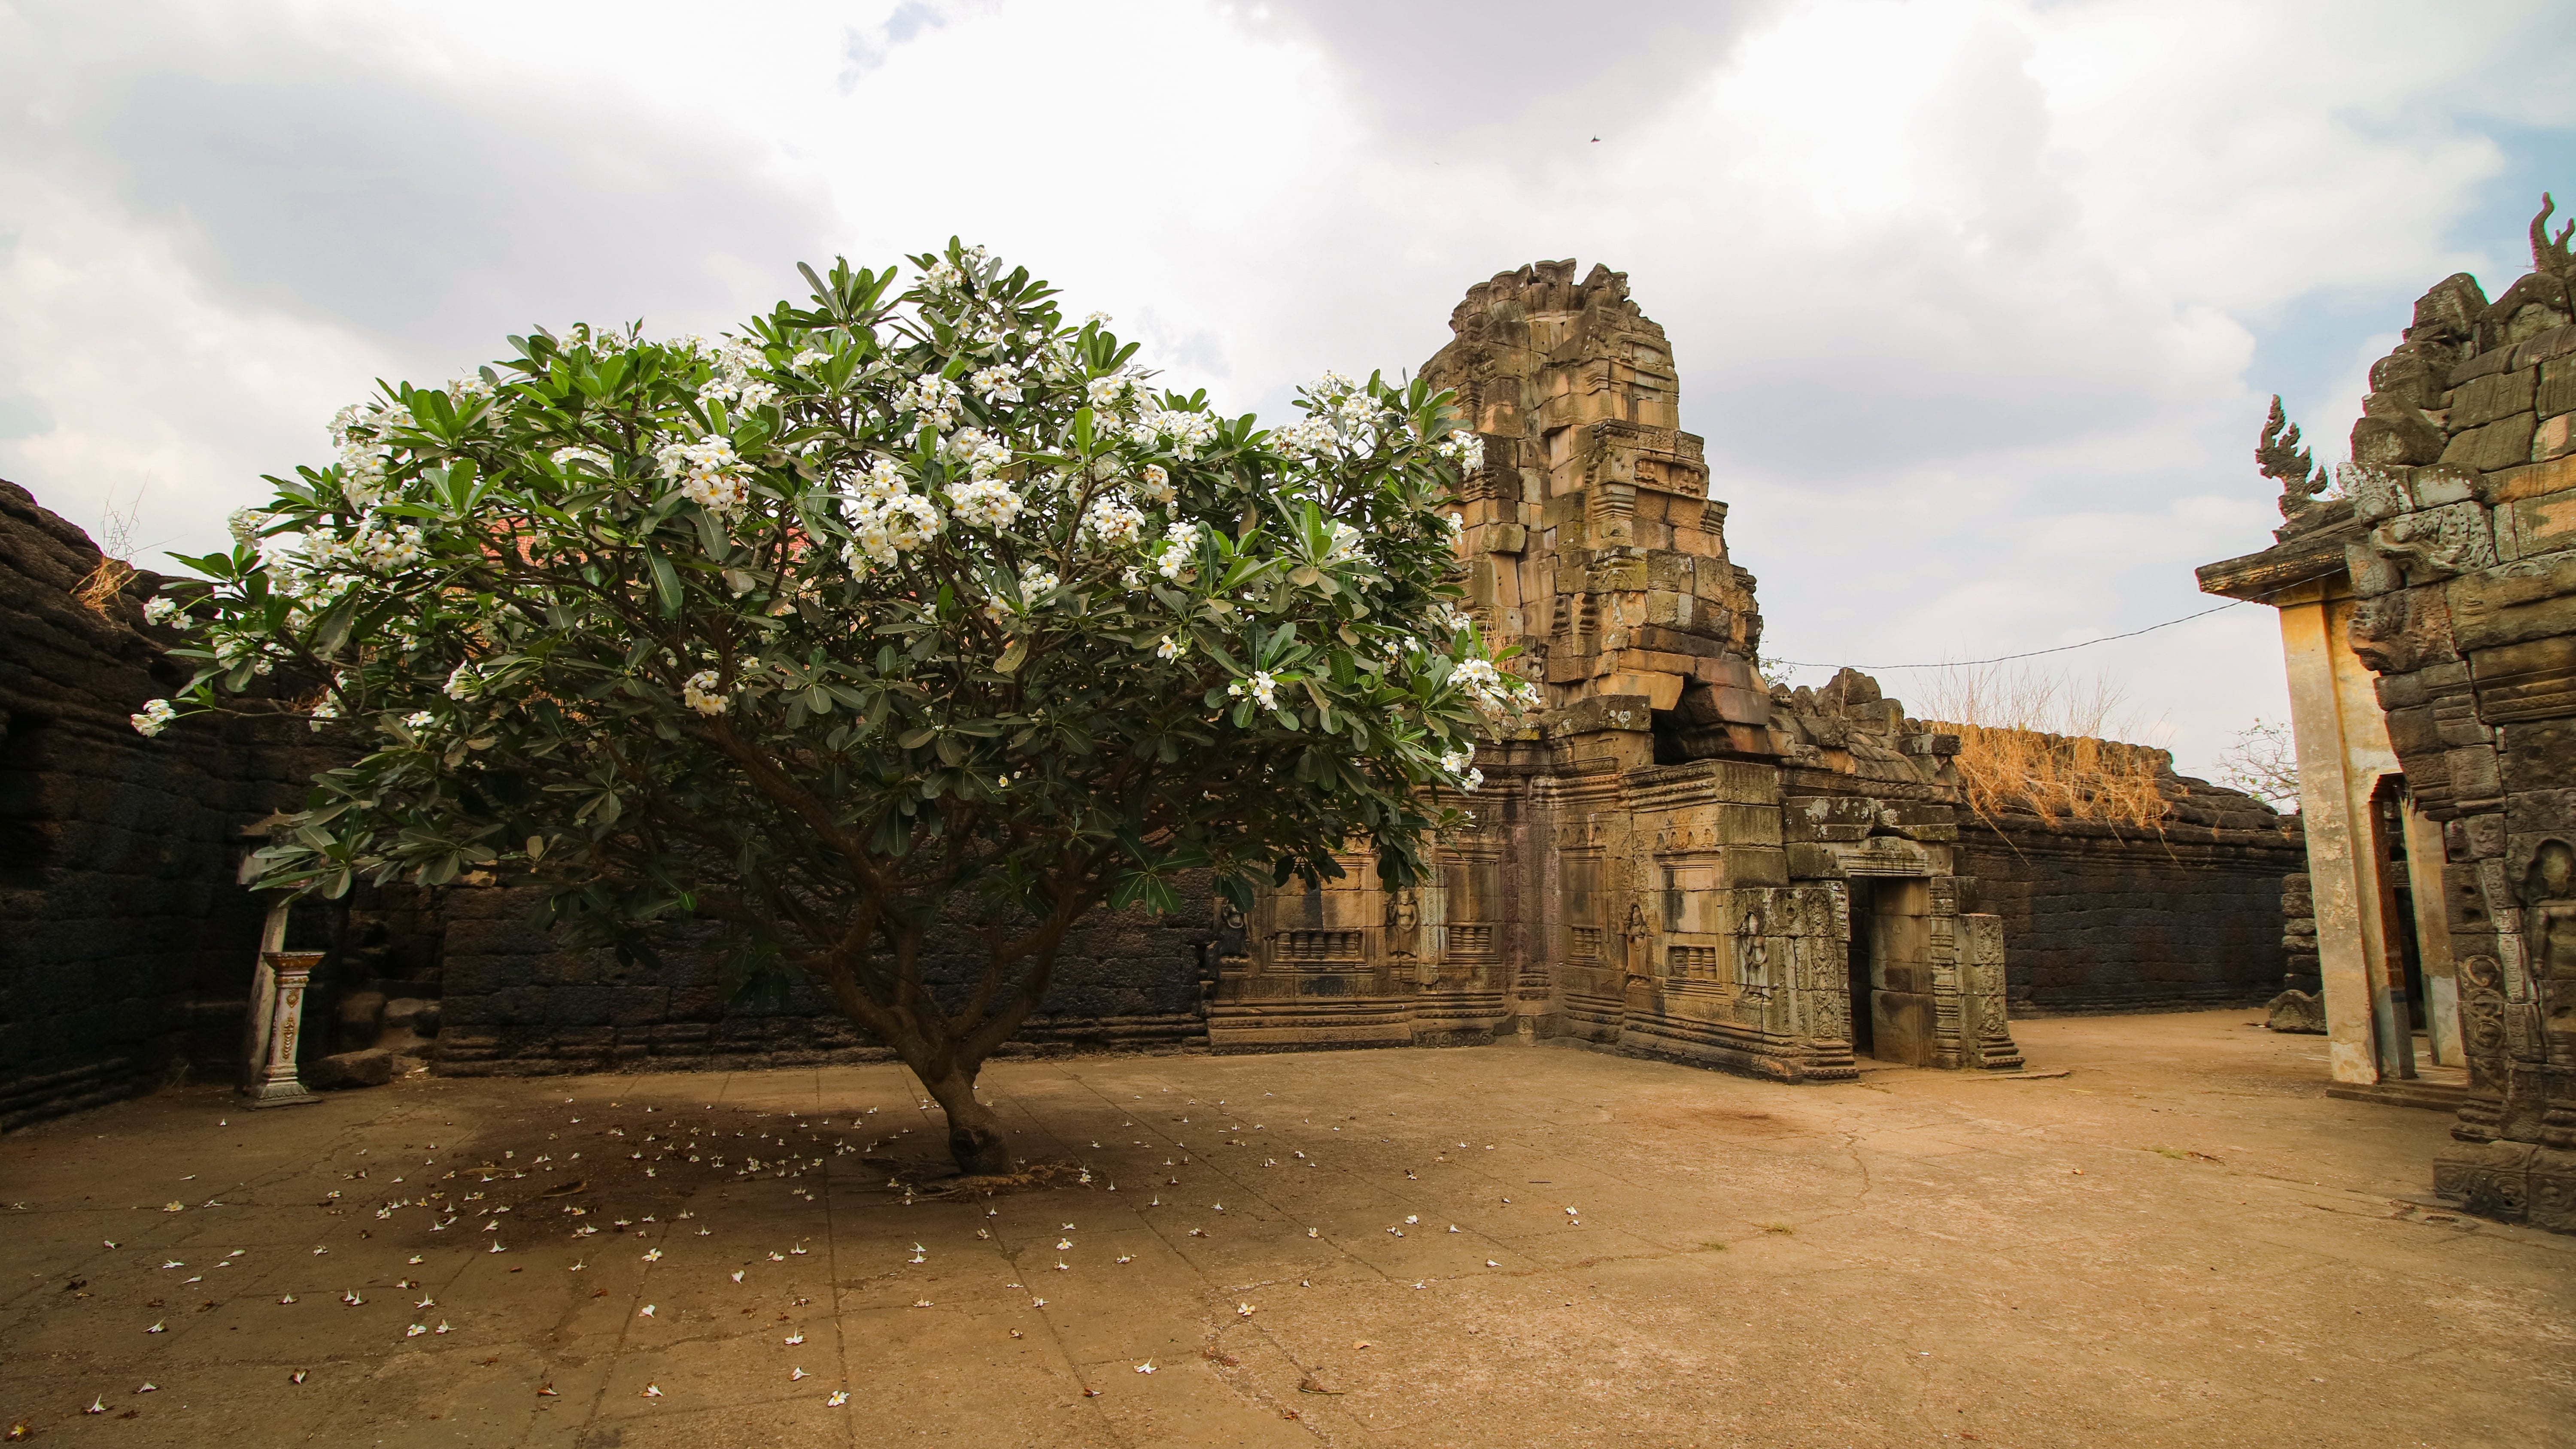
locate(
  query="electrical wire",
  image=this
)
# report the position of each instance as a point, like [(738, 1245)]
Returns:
[(2027, 654)]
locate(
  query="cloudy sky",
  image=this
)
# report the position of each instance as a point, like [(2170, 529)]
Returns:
[(1977, 302)]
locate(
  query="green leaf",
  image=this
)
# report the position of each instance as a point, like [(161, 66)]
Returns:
[(1013, 657), (333, 634), (1153, 891), (666, 584), (711, 535)]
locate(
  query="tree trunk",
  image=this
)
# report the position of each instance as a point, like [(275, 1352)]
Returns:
[(975, 1137)]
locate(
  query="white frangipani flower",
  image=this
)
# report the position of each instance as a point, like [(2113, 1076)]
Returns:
[(984, 503), (1179, 549), (698, 692), (883, 530), (708, 472), (996, 383), (1464, 447), (932, 399), (1113, 521), (1492, 691)]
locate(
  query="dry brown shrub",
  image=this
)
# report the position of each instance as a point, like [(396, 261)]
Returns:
[(2031, 744), (104, 584)]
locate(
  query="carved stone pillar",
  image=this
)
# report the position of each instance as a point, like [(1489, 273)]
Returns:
[(289, 973), (1989, 1040)]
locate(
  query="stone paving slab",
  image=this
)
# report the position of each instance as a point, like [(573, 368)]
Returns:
[(2181, 1241)]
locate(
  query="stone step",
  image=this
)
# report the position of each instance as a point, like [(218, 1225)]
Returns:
[(2434, 1096)]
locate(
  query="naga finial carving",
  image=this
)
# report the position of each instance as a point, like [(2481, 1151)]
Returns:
[(2280, 456), (2548, 254)]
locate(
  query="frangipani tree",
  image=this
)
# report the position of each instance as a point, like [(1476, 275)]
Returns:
[(870, 610)]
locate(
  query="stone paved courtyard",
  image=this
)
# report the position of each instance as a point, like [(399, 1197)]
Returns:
[(2180, 1241)]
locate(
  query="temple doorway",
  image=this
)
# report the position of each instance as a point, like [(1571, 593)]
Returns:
[(1891, 970)]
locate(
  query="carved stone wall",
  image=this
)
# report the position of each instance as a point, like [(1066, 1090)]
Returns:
[(518, 1002), (2115, 917), (2464, 484), (125, 946)]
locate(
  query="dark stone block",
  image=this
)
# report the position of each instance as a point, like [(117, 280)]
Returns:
[(2398, 691), (2297, 1011), (2465, 901), (2541, 812), (2538, 756), (2413, 730), (2397, 435), (370, 1068), (2473, 837), (1667, 640)]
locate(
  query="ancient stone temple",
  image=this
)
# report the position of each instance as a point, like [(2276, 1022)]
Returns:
[(1669, 861), (1674, 859), (2429, 618)]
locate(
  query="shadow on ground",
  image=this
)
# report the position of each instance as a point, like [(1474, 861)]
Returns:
[(2181, 1241)]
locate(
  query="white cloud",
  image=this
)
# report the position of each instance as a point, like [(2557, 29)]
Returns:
[(163, 399), (1966, 293)]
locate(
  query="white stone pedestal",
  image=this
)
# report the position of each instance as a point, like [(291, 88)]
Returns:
[(280, 1009)]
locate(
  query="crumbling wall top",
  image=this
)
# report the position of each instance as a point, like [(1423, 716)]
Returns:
[(1549, 287)]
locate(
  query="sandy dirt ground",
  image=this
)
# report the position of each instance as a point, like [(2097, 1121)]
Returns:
[(2180, 1241)]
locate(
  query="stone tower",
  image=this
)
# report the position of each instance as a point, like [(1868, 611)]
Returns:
[(1591, 537), (1672, 859)]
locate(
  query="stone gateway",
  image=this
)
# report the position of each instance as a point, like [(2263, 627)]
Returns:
[(2428, 616)]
